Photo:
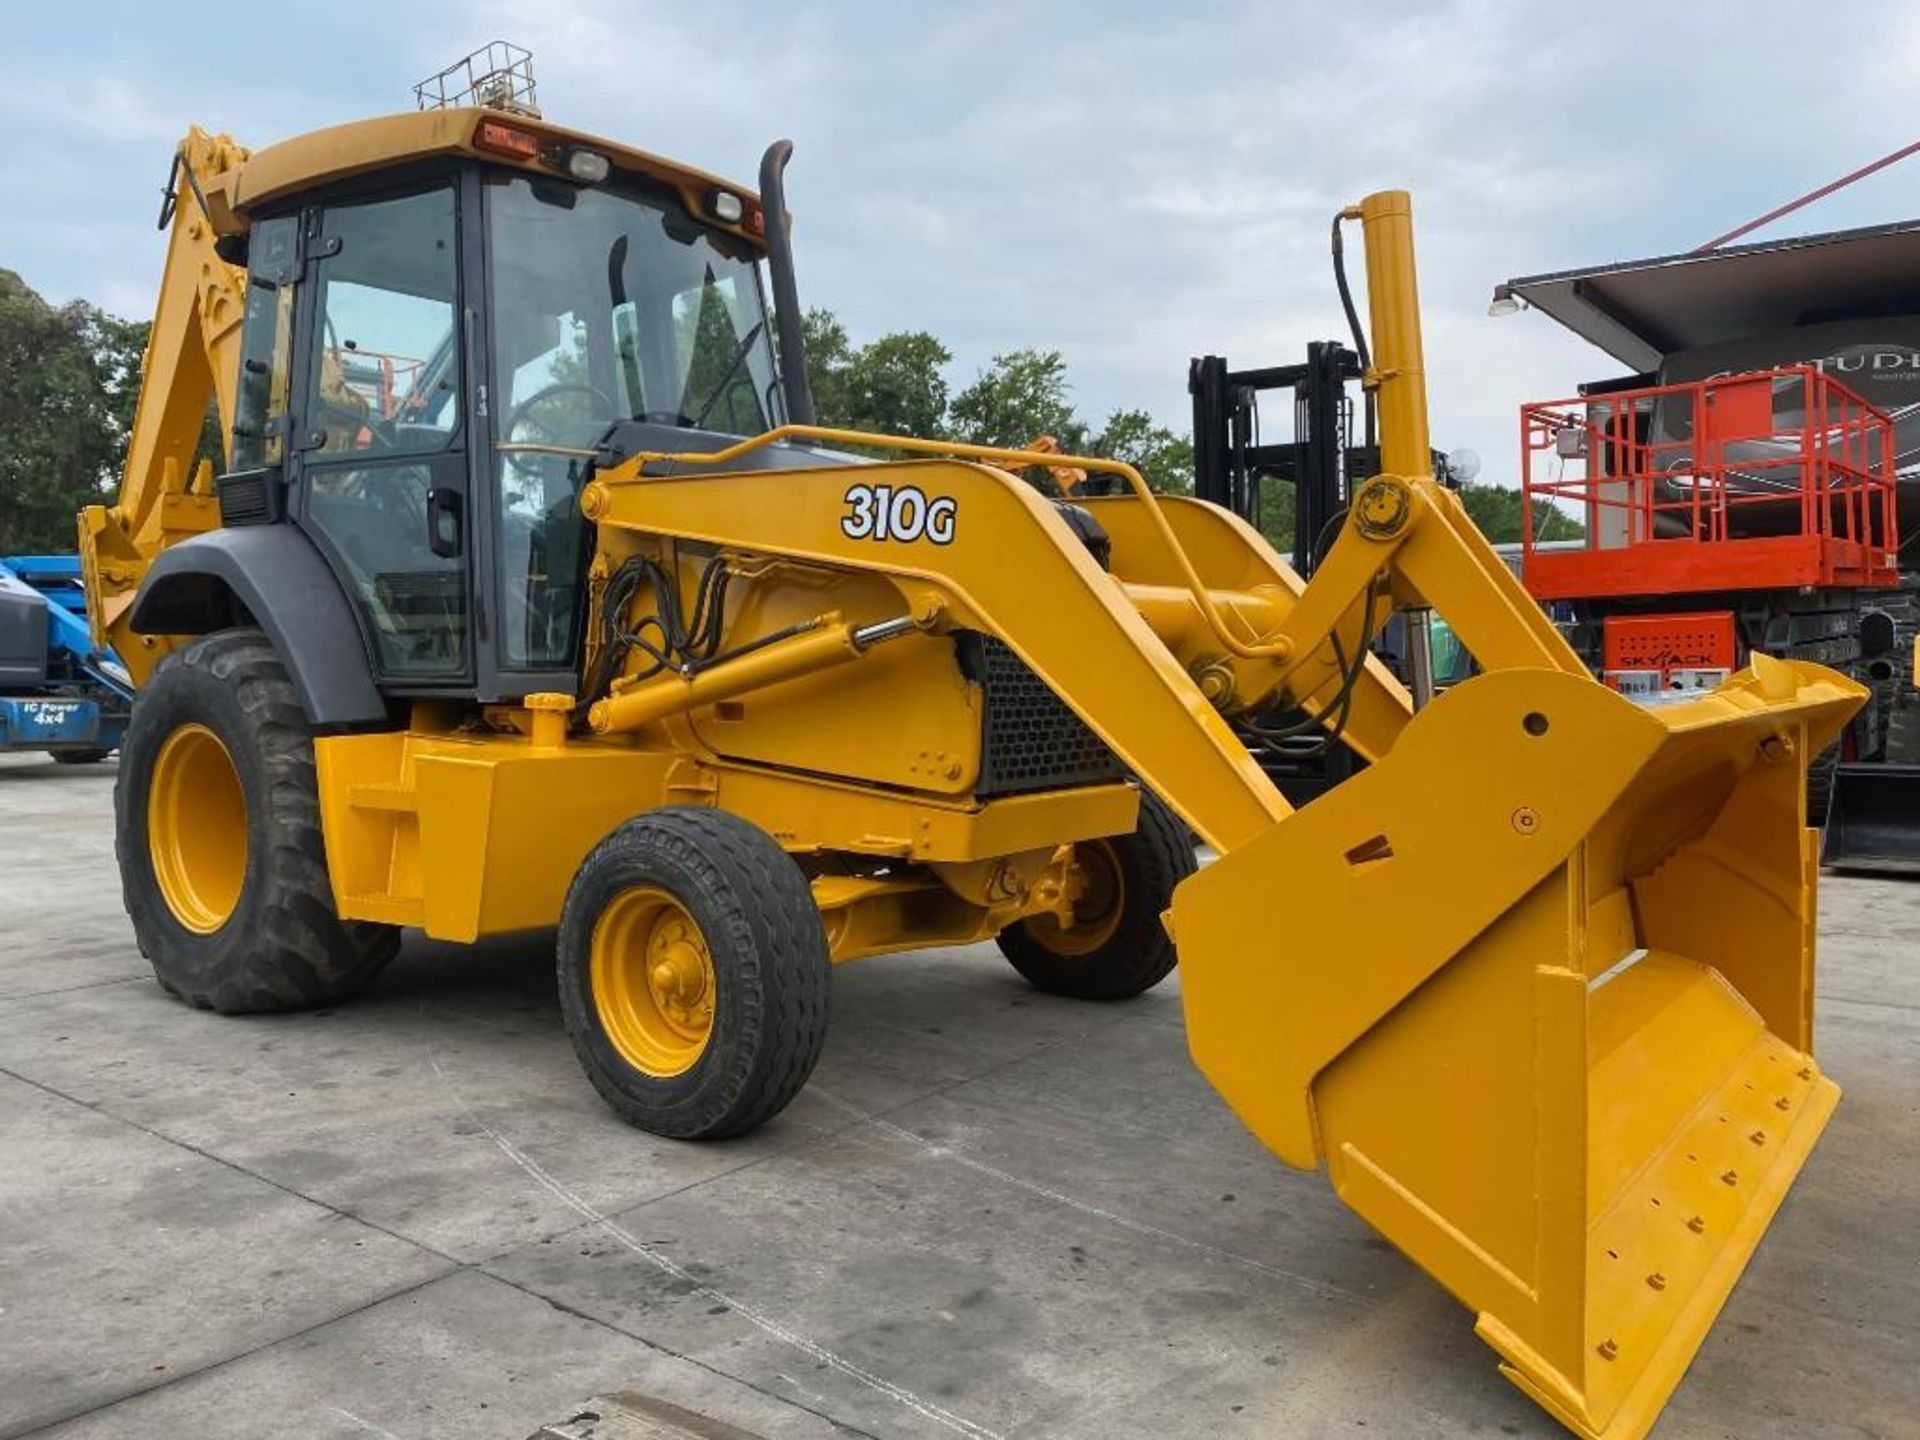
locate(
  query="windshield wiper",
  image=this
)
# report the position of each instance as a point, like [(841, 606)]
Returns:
[(733, 368)]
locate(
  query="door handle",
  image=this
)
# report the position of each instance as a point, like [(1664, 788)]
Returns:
[(443, 522)]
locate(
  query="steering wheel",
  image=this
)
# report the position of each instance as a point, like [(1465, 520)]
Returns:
[(605, 411)]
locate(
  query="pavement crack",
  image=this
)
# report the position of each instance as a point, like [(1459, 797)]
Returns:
[(229, 1164), (686, 1359), (766, 1324), (71, 989), (41, 1426), (933, 1149)]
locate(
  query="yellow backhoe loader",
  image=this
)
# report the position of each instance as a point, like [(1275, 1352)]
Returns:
[(528, 594)]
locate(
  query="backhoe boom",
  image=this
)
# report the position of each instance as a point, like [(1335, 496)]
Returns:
[(192, 360)]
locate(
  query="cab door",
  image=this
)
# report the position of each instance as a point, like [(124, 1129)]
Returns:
[(378, 474)]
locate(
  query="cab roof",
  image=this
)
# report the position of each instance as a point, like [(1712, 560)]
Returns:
[(339, 152)]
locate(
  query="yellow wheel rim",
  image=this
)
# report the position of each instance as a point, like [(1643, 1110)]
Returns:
[(1096, 908), (197, 828), (653, 981)]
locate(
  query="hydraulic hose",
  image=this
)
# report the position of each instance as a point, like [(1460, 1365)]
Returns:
[(1358, 330)]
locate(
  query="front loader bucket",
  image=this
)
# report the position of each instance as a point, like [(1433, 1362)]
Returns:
[(1873, 819), (1543, 1008)]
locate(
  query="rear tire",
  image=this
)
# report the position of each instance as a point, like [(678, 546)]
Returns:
[(1117, 947), (92, 755), (693, 973), (217, 830), (1820, 785)]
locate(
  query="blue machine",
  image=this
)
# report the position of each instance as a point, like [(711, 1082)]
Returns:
[(58, 692)]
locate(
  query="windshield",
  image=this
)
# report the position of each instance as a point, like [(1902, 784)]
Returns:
[(609, 304)]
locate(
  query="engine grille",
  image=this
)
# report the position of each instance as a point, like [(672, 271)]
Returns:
[(1030, 740)]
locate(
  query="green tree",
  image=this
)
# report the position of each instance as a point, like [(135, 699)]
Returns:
[(68, 384), (1497, 512), (1021, 396), (897, 385), (1274, 513), (1166, 459), (829, 361)]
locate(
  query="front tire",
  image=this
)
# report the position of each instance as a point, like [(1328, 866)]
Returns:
[(693, 973), (1117, 946), (217, 829)]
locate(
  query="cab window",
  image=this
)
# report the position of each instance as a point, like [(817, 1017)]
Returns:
[(266, 345), (385, 372)]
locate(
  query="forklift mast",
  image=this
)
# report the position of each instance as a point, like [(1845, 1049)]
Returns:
[(1230, 456)]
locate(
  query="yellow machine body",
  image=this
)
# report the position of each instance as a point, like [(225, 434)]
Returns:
[(1541, 1003)]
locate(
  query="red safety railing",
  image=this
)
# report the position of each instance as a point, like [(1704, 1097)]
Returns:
[(1755, 481), (385, 382)]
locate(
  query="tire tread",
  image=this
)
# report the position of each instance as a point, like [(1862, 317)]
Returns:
[(773, 929), (1158, 855), (300, 954)]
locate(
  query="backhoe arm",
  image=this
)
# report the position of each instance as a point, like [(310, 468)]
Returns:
[(192, 358)]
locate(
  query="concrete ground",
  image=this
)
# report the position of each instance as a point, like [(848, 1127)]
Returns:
[(992, 1214)]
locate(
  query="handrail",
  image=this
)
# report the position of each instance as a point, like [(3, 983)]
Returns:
[(1279, 649), (1834, 464)]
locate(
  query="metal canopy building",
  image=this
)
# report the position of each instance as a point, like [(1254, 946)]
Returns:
[(1641, 311)]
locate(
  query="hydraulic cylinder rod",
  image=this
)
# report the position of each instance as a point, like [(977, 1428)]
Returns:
[(1399, 374), (826, 642)]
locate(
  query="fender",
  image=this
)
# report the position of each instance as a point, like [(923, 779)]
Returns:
[(271, 576)]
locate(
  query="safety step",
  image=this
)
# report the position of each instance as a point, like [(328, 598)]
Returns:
[(385, 909), (392, 795)]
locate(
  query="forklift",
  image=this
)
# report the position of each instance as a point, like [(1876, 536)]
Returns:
[(1238, 467)]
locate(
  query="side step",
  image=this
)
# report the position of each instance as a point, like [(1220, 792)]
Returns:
[(379, 862), (1873, 819)]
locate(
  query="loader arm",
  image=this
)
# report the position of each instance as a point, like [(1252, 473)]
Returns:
[(1544, 1007), (192, 358)]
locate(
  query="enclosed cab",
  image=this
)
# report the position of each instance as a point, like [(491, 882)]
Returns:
[(447, 315)]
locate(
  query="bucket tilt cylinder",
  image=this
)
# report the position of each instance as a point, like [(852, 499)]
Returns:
[(1544, 1007)]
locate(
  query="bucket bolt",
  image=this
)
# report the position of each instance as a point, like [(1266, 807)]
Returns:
[(1656, 1281), (1526, 820), (1215, 679), (1608, 1350)]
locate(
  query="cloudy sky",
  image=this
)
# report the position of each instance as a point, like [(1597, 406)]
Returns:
[(1129, 183)]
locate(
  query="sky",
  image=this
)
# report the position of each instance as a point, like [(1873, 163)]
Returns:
[(1128, 183)]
